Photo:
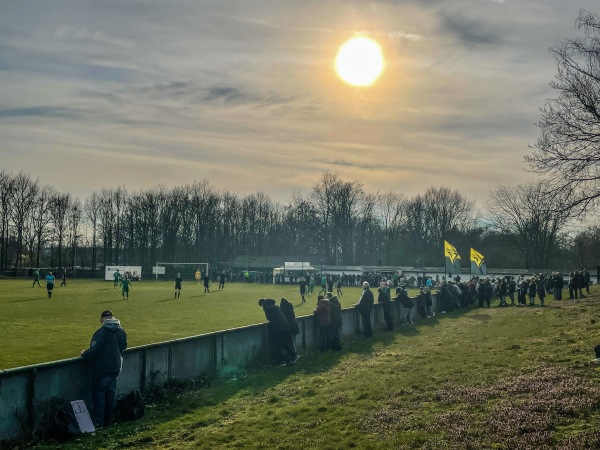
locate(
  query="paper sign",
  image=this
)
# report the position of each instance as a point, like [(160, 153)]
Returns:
[(83, 416)]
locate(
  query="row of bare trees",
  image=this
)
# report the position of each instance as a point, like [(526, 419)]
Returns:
[(36, 219), (337, 222)]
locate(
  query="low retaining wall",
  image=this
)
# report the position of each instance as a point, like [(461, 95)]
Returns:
[(26, 393)]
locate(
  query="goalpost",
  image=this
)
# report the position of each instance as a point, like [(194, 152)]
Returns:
[(168, 270)]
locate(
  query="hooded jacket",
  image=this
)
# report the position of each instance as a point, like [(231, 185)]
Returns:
[(107, 347), (288, 311), (322, 313), (335, 312), (274, 315), (365, 304)]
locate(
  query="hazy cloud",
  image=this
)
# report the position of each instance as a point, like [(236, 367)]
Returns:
[(245, 93)]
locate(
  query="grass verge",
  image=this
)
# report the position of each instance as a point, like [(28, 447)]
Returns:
[(501, 378)]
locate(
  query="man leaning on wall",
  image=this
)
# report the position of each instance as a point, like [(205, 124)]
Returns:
[(106, 354)]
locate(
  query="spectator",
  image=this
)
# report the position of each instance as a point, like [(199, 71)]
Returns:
[(586, 280), (335, 314), (532, 291), (288, 311), (406, 305), (383, 297), (541, 289), (323, 319), (106, 353), (428, 302), (512, 288), (279, 333), (365, 306)]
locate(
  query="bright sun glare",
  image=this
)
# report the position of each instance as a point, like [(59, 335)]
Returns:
[(359, 61)]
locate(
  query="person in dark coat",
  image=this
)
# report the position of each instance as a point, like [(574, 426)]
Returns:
[(365, 306), (106, 354), (512, 288), (302, 286), (321, 313), (279, 332), (406, 305), (335, 314), (445, 298), (428, 302), (531, 291), (541, 290), (421, 307), (288, 311), (386, 304)]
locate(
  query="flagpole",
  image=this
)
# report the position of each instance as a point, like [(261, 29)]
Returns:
[(471, 262)]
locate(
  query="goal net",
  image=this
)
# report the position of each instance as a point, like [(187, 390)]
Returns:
[(169, 270)]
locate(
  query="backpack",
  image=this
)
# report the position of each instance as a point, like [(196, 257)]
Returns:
[(132, 406), (66, 423)]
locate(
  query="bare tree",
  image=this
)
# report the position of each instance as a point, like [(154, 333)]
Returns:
[(59, 208), (7, 187), (521, 213), (41, 219), (439, 214), (25, 194), (367, 242), (91, 213), (586, 247), (392, 208), (337, 202), (74, 215), (568, 149)]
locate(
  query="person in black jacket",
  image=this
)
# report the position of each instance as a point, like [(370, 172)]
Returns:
[(106, 354), (288, 311), (279, 332), (586, 280), (365, 306), (335, 313), (384, 298)]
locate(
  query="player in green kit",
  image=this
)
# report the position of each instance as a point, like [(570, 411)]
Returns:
[(116, 276), (125, 284), (323, 284), (36, 278)]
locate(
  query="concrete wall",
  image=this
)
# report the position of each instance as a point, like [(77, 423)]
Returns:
[(28, 393)]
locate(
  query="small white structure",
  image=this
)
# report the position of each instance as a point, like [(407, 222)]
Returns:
[(132, 271)]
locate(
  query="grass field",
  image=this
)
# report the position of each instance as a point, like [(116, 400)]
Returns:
[(37, 329), (501, 378)]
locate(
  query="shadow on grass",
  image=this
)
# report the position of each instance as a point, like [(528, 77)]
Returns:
[(27, 300), (258, 380), (110, 301)]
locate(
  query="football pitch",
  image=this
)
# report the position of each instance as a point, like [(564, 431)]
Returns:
[(37, 329)]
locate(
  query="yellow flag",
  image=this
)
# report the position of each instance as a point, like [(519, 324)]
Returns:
[(451, 252), (477, 257)]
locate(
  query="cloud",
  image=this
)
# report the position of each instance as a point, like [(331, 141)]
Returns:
[(470, 31), (41, 111), (226, 94)]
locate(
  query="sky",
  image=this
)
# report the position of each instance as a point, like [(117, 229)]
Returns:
[(107, 93)]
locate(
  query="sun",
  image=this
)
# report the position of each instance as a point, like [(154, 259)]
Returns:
[(359, 61)]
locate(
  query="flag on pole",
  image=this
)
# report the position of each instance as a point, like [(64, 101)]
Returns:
[(452, 259), (478, 266)]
